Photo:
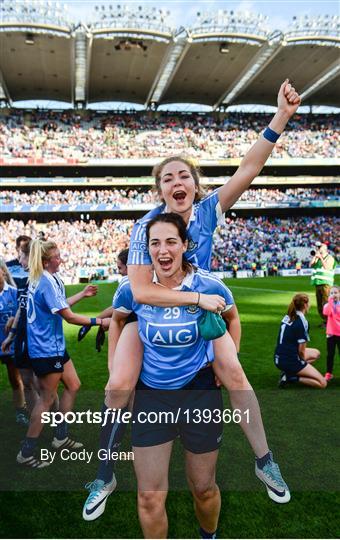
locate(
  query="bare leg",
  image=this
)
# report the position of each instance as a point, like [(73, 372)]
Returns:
[(152, 469), (311, 355), (201, 472), (125, 368), (71, 384), (311, 377), (242, 396), (48, 390), (30, 388), (16, 384)]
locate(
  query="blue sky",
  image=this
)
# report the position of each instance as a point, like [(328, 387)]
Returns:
[(280, 13), (183, 13)]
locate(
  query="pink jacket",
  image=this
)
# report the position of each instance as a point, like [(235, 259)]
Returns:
[(332, 312)]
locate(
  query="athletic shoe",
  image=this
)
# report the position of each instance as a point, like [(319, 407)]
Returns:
[(329, 376), (277, 488), (66, 443), (283, 381), (32, 462), (95, 503), (21, 419)]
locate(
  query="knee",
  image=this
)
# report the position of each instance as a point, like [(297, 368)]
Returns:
[(48, 398), (74, 386), (323, 383), (151, 502), (203, 491)]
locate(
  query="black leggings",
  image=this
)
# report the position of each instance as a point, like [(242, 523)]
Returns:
[(332, 342)]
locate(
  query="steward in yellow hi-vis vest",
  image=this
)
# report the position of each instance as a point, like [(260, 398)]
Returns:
[(323, 265)]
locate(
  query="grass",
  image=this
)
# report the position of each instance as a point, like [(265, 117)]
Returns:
[(301, 425)]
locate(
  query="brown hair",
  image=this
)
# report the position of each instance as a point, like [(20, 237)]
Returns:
[(26, 246), (178, 222), (297, 304), (194, 170)]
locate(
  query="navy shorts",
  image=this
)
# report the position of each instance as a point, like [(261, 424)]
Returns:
[(53, 364), (21, 358), (192, 413), (6, 359), (131, 318), (289, 364)]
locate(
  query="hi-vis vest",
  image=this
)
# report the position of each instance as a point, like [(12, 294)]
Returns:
[(321, 276)]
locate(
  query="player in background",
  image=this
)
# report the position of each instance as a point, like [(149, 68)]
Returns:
[(47, 308), (291, 354), (8, 309)]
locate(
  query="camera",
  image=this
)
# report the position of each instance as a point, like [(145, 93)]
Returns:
[(314, 251)]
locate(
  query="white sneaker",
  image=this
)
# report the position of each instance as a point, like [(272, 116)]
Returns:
[(95, 503), (66, 443), (277, 488), (32, 462)]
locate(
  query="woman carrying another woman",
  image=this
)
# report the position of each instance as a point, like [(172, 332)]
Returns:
[(46, 309), (178, 184), (291, 354), (176, 376)]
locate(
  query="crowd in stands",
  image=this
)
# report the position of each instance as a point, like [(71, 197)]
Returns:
[(88, 134), (240, 241), (132, 197)]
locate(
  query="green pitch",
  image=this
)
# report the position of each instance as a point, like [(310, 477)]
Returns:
[(302, 427)]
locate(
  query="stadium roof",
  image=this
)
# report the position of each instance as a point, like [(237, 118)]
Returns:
[(220, 61)]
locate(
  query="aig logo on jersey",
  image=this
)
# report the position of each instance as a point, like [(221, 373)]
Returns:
[(138, 246), (172, 334)]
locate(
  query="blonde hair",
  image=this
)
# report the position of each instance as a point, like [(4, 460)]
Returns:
[(39, 252), (8, 277), (297, 304), (189, 162)]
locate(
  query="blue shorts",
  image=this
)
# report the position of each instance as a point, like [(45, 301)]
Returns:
[(53, 364), (192, 413), (289, 364), (6, 359)]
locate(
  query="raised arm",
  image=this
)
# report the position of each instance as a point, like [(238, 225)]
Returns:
[(251, 165), (146, 292)]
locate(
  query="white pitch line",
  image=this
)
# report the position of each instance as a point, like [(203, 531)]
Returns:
[(231, 287)]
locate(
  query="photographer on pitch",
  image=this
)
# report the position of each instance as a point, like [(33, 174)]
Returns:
[(323, 265)]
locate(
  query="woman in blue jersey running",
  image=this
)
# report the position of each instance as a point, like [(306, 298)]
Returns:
[(178, 184), (46, 309)]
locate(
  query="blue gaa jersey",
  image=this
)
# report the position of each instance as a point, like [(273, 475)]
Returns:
[(19, 274), (206, 215), (45, 335), (8, 308), (292, 333), (174, 351)]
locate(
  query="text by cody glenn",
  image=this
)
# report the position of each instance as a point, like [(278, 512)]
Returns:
[(66, 454)]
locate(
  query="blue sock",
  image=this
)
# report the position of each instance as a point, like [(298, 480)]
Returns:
[(28, 446), (261, 462), (111, 436), (205, 534), (61, 431)]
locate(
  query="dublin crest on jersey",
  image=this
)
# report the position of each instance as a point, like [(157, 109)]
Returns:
[(192, 245)]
